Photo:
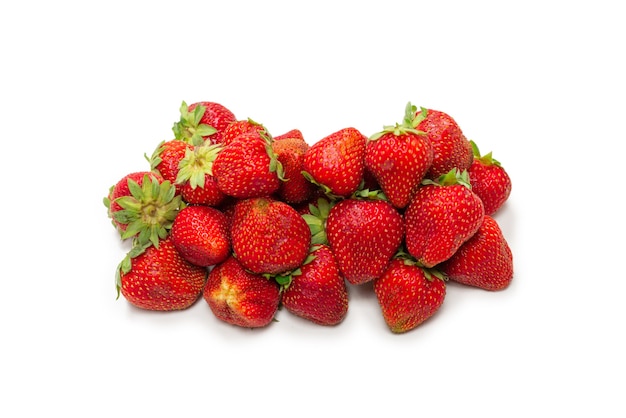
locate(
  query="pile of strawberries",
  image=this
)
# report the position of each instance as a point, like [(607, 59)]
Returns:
[(252, 222)]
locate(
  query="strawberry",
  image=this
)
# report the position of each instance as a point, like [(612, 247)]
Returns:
[(239, 297), (269, 236), (201, 121), (292, 134), (195, 178), (336, 162), (363, 235), (200, 234), (441, 217), (484, 261), (159, 278), (489, 180), (399, 157), (290, 153), (143, 206), (408, 294), (318, 293), (247, 167), (166, 158), (241, 127), (451, 149)]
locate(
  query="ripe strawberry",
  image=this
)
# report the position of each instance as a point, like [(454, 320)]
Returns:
[(200, 234), (441, 217), (290, 153), (247, 167), (399, 158), (143, 206), (319, 293), (408, 295), (336, 162), (451, 149), (201, 121), (166, 158), (239, 297), (294, 133), (484, 261), (195, 178), (489, 180), (363, 235), (159, 278), (241, 127), (269, 236)]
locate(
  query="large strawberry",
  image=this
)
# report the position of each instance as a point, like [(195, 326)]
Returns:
[(399, 157), (318, 293), (201, 121), (451, 149), (159, 278), (143, 206), (290, 152), (247, 167), (336, 162), (269, 236), (484, 261), (489, 180), (239, 297), (200, 234), (195, 178), (363, 235), (408, 294), (441, 217)]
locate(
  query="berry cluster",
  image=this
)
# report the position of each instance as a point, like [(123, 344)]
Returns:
[(252, 222)]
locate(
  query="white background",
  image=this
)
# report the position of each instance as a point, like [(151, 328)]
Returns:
[(87, 89)]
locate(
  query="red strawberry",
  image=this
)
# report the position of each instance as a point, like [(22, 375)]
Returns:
[(441, 217), (247, 167), (166, 158), (159, 278), (318, 293), (195, 178), (290, 153), (239, 297), (408, 295), (241, 127), (143, 206), (489, 180), (293, 134), (269, 236), (451, 148), (201, 121), (336, 162), (399, 158), (200, 234), (363, 235), (484, 261)]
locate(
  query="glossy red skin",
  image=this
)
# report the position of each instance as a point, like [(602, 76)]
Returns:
[(241, 127), (290, 152), (319, 294), (239, 297), (160, 279), (294, 133), (171, 153), (484, 261), (439, 220), (491, 183), (201, 235), (121, 189), (209, 195), (406, 297), (363, 235), (337, 161), (215, 115), (399, 163)]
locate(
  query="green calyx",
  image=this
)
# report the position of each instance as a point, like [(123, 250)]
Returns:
[(409, 124), (126, 264), (452, 177), (285, 279), (275, 165), (196, 164), (189, 128), (409, 260), (316, 220), (486, 159), (149, 211)]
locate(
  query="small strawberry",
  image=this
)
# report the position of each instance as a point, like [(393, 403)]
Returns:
[(241, 127), (399, 158), (201, 121), (318, 293), (269, 236), (200, 234), (489, 180), (195, 178), (239, 297), (143, 206), (408, 294), (441, 217), (484, 261), (166, 158), (336, 162), (247, 167), (290, 153), (159, 278), (363, 235), (451, 149)]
